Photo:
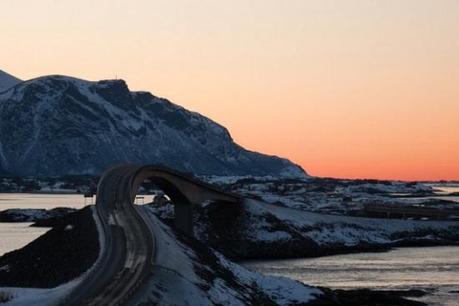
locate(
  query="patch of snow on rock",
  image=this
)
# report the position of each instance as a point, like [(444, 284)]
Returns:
[(185, 270)]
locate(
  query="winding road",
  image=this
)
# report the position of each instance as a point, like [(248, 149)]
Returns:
[(128, 245)]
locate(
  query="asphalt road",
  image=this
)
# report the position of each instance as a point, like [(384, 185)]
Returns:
[(129, 245)]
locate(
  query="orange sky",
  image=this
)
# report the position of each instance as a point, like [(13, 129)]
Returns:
[(366, 89)]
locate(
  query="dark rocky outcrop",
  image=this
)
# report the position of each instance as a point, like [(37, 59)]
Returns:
[(60, 255), (367, 297), (35, 215)]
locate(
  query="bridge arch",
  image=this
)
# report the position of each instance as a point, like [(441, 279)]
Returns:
[(184, 191)]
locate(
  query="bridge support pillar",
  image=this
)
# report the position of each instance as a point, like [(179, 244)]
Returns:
[(184, 217)]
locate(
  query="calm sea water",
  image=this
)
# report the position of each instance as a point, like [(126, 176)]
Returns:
[(16, 235), (431, 268), (435, 268), (49, 201), (446, 189), (442, 191)]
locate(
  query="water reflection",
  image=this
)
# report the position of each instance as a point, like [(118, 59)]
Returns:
[(404, 268), (16, 235)]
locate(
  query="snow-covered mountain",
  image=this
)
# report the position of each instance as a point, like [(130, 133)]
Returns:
[(7, 80), (57, 125)]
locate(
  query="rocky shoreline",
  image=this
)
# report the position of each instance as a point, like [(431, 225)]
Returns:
[(34, 215), (263, 231), (367, 297), (254, 230), (220, 222), (63, 253), (71, 247)]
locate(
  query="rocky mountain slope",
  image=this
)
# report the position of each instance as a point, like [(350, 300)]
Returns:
[(57, 125), (7, 81)]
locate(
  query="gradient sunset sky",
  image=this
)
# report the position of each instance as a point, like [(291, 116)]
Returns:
[(356, 89)]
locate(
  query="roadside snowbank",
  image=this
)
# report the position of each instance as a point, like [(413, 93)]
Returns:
[(204, 277)]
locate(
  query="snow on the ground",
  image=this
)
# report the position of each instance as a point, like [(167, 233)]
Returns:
[(330, 196), (231, 179), (282, 290), (36, 296), (329, 229), (183, 274)]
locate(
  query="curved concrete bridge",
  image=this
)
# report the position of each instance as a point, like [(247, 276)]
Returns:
[(129, 245)]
